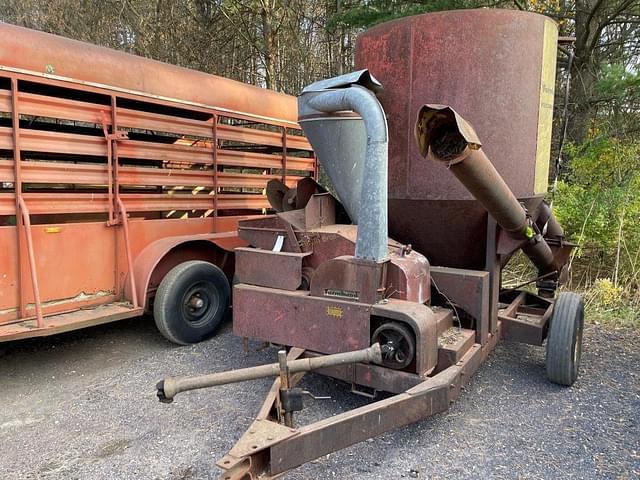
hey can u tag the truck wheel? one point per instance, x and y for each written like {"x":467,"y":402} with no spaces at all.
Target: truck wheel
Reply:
{"x":191,"y":301}
{"x":564,"y":341}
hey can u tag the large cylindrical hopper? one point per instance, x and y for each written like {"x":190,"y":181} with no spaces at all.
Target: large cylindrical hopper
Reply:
{"x":497,"y":69}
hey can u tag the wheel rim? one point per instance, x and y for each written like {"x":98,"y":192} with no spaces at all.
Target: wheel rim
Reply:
{"x":577,"y":348}
{"x":200,"y":303}
{"x":397,"y":344}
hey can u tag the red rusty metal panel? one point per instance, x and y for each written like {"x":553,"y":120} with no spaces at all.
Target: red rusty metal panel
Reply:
{"x":9,"y":294}
{"x":62,"y":108}
{"x":230,"y":179}
{"x":166,"y":152}
{"x":451,"y":233}
{"x":78,"y":259}
{"x":348,"y":277}
{"x":298,"y":142}
{"x":56,"y":203}
{"x":299,"y":319}
{"x":231,"y":201}
{"x":50,"y":203}
{"x":54,"y":142}
{"x":5,"y":101}
{"x":55,"y":172}
{"x":53,"y":203}
{"x":304,"y":164}
{"x":237,"y":158}
{"x":148,"y":202}
{"x":165,"y":176}
{"x":87,"y":174}
{"x":7,"y":204}
{"x":164,"y":123}
{"x":145,"y":232}
{"x":69,"y":321}
{"x":260,"y":160}
{"x":7,"y":171}
{"x":468,"y":289}
{"x":453,"y":345}
{"x":32,"y":50}
{"x":269,"y":269}
{"x":473,"y":61}
{"x":249,"y":135}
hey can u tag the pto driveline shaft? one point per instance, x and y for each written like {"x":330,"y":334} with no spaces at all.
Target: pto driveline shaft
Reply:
{"x":171,"y":386}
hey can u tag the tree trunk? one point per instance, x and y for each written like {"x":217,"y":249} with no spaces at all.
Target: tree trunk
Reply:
{"x":584,"y":73}
{"x":268,"y":34}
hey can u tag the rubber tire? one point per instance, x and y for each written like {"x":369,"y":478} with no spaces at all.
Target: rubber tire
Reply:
{"x":565,"y":336}
{"x":167,"y":308}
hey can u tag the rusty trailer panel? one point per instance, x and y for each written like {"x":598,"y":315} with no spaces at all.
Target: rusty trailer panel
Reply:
{"x":66,"y":321}
{"x":126,"y":166}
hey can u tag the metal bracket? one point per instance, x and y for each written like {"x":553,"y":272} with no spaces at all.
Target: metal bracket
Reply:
{"x":291,"y":399}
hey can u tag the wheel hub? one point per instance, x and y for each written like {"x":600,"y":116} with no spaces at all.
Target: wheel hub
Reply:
{"x":197,"y":302}
{"x":397,"y":344}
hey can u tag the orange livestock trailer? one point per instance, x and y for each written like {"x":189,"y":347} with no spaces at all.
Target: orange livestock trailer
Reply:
{"x":122,"y":181}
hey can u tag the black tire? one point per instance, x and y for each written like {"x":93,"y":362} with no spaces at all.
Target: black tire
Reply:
{"x":564,"y":341}
{"x":191,"y":301}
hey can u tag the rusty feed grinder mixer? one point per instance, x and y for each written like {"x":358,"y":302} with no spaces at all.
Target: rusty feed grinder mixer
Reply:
{"x":393,"y":283}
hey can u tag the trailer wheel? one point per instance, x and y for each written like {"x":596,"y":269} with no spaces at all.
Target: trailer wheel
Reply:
{"x":191,"y":301}
{"x":564,"y":341}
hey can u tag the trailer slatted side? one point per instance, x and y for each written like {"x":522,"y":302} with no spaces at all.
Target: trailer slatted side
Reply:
{"x":169,"y":157}
{"x":104,"y":172}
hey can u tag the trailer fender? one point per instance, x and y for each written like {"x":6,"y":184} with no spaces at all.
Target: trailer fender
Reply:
{"x":156,"y":259}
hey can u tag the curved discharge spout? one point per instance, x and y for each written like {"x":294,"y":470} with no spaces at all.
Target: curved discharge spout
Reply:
{"x":353,"y":149}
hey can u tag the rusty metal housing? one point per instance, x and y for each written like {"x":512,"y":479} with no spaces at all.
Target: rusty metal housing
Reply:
{"x":430,"y":294}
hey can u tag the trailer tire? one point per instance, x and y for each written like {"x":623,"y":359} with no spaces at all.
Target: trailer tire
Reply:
{"x":564,"y":341}
{"x":191,"y":301}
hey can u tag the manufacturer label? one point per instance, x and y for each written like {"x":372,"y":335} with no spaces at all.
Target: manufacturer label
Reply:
{"x":348,"y":294}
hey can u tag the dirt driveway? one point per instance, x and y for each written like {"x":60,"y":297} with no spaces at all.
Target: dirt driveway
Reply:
{"x":82,"y":406}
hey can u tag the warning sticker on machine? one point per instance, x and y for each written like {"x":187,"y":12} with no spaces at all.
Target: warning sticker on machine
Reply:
{"x":334,"y":312}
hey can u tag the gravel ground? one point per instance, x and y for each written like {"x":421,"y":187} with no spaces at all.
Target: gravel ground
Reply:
{"x":82,"y":405}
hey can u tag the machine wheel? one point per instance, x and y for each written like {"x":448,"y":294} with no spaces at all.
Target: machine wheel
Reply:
{"x":191,"y":301}
{"x":564,"y":341}
{"x":397,"y":343}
